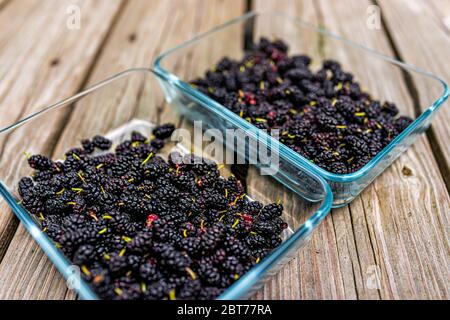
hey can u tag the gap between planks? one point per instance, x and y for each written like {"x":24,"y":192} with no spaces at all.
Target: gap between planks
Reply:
{"x":439,"y":149}
{"x":39,"y":83}
{"x":136,"y":26}
{"x":364,"y":232}
{"x":293,"y":272}
{"x":88,"y":39}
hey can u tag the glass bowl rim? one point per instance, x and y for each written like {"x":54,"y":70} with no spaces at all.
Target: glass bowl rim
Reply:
{"x":63,"y":264}
{"x":285,"y":151}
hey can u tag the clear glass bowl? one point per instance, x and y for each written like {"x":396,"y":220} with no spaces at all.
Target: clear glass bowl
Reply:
{"x":134,"y":100}
{"x":385,"y":78}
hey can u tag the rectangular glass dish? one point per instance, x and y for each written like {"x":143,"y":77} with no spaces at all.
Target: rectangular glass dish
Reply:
{"x":385,"y":78}
{"x":134,"y":100}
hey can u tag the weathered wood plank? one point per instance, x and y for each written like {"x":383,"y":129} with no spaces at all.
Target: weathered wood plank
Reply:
{"x":398,"y":224}
{"x":141,"y":32}
{"x":423,"y":41}
{"x":395,"y":230}
{"x":365,"y":239}
{"x":315,"y":272}
{"x":173,"y":28}
{"x":353,"y":242}
{"x":36,"y":72}
{"x":398,"y":227}
{"x":441,"y":9}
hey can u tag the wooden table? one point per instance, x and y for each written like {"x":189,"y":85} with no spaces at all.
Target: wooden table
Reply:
{"x":387,"y":231}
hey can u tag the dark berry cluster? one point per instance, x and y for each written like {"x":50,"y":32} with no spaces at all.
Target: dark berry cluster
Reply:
{"x":325,"y":116}
{"x":140,"y":227}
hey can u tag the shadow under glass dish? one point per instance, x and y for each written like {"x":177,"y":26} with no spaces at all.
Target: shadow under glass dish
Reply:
{"x":381,"y":76}
{"x":134,"y":100}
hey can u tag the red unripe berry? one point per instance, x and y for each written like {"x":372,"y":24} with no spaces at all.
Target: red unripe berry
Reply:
{"x":150,"y":218}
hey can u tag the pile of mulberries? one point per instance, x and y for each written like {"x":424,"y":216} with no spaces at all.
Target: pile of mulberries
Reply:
{"x":324,"y":116}
{"x":141,"y":227}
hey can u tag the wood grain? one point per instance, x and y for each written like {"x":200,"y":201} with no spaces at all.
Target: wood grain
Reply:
{"x":381,"y":231}
{"x":36,"y":73}
{"x":142,"y":31}
{"x":397,"y":228}
{"x":314,"y":273}
{"x":424,"y":42}
{"x":441,"y":9}
{"x":406,"y":206}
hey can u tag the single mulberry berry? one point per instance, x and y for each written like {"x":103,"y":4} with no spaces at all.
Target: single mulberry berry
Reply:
{"x":164,"y":131}
{"x":40,"y":162}
{"x":101,"y":143}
